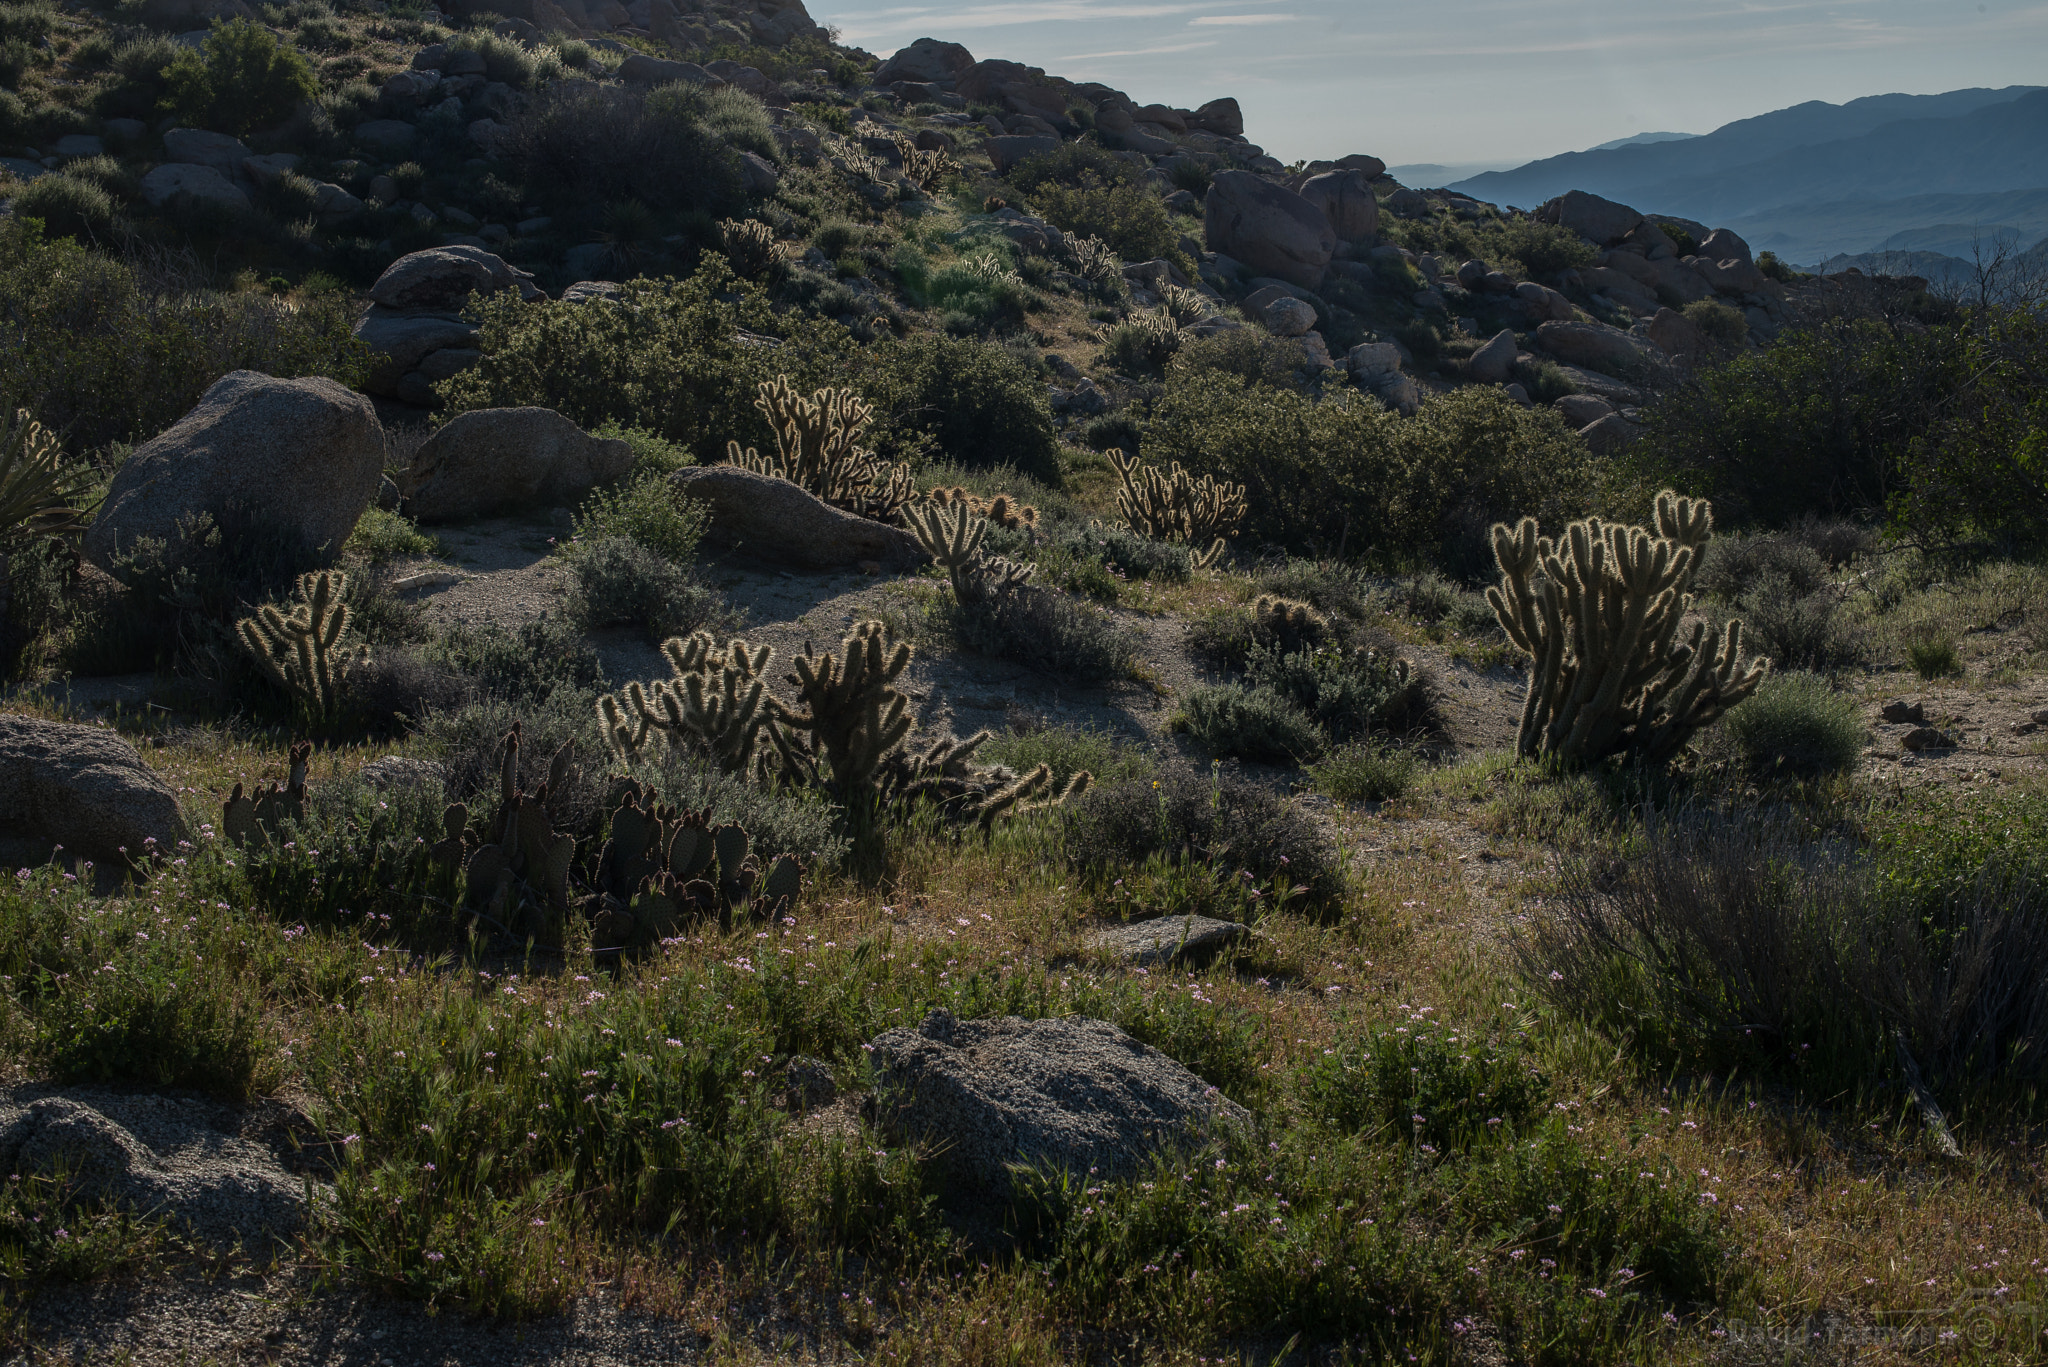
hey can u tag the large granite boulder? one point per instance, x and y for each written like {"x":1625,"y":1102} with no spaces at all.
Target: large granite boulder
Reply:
{"x":926,"y":60}
{"x":1600,"y":221}
{"x":415,"y":315}
{"x":300,"y":458}
{"x":84,"y":788}
{"x":1594,"y":346}
{"x":496,"y":460}
{"x":1346,"y":199}
{"x":1269,"y":228}
{"x":784,"y":523}
{"x":1070,"y":1094}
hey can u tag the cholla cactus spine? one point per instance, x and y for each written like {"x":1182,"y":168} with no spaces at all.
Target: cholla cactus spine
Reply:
{"x":1600,"y":624}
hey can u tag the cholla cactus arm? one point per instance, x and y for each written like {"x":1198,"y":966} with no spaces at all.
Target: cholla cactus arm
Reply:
{"x":950,"y":534}
{"x":852,"y":715}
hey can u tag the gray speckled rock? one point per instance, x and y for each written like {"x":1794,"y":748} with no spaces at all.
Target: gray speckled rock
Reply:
{"x":1184,"y":939}
{"x":156,"y":1156}
{"x":299,"y":456}
{"x":498,"y":459}
{"x":1075,"y":1094}
{"x":782,"y":522}
{"x":82,"y":787}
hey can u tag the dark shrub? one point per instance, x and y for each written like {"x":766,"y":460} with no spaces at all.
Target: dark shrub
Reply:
{"x":615,"y":581}
{"x":1364,"y":772}
{"x":584,"y":143}
{"x":522,"y":666}
{"x":1180,"y":812}
{"x":68,"y":206}
{"x":1261,"y":724}
{"x":967,"y":402}
{"x":107,"y":351}
{"x":1346,"y":692}
{"x":1048,"y":630}
{"x":244,"y":80}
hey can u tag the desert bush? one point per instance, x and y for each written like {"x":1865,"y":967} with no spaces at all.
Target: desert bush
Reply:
{"x":1826,"y":420}
{"x":68,"y":206}
{"x":1795,"y":726}
{"x":1364,"y":772}
{"x":967,"y":402}
{"x":1932,"y":653}
{"x":644,"y":511}
{"x":1068,"y":750}
{"x":1467,"y":1090}
{"x":242,"y":79}
{"x":381,"y":535}
{"x":508,"y":60}
{"x":1345,"y":692}
{"x":1344,"y":472}
{"x":738,"y":119}
{"x":1720,"y":322}
{"x":616,"y":581}
{"x":105,"y":350}
{"x":520,"y":666}
{"x":1234,"y":721}
{"x":1047,"y":630}
{"x":1734,"y":940}
{"x":1128,"y":218}
{"x":585,"y":144}
{"x":1181,"y":813}
{"x":467,"y":741}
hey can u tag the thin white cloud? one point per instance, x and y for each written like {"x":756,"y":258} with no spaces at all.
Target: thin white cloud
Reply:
{"x":1140,"y":51}
{"x":1236,"y":20}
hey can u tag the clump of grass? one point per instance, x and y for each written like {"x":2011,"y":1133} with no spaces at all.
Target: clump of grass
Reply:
{"x":384,"y":535}
{"x":1933,"y":655}
{"x":1260,"y":724}
{"x":1364,"y":772}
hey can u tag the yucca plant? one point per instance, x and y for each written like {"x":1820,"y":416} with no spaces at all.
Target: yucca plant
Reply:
{"x":37,"y":494}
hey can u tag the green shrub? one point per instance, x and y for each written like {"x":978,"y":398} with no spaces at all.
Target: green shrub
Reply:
{"x":1068,"y":750}
{"x":243,"y":80}
{"x":525,"y":666}
{"x":1830,"y":420}
{"x":1364,"y":772}
{"x":1129,"y":218}
{"x":616,"y":581}
{"x":739,"y":120}
{"x":966,"y":402}
{"x":1346,"y":692}
{"x":1048,"y":630}
{"x":1721,"y":322}
{"x":1684,"y":241}
{"x":508,"y":60}
{"x":667,"y":360}
{"x":644,"y":511}
{"x":1795,"y":725}
{"x":30,"y":21}
{"x":1236,"y":722}
{"x":1141,"y":344}
{"x":68,"y":206}
{"x":109,"y":351}
{"x":383,"y":535}
{"x":1343,"y":471}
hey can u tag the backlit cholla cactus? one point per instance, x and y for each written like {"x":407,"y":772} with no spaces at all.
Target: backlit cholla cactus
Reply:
{"x":1599,"y":615}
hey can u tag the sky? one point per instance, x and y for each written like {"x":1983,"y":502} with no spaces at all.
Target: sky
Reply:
{"x":1498,"y":82}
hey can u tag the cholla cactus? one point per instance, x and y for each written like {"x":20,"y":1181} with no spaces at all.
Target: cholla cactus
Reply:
{"x":1178,"y":507}
{"x":1096,"y":262}
{"x":1599,"y":617}
{"x":1294,"y":625}
{"x":750,"y":246}
{"x":1185,"y":306}
{"x":952,"y":534}
{"x":817,"y":446}
{"x":302,"y":651}
{"x":927,"y":169}
{"x":716,"y":697}
{"x":1003,"y":510}
{"x":852,"y":716}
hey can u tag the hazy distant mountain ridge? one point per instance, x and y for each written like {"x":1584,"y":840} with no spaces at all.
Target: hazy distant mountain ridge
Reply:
{"x":1635,"y":171}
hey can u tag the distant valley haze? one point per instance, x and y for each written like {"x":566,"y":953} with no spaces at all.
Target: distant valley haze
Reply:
{"x":1514,"y":102}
